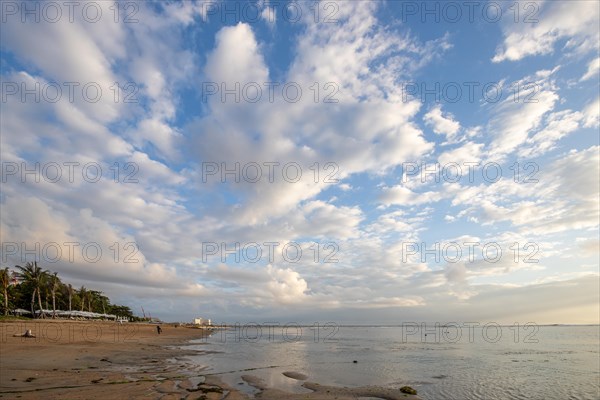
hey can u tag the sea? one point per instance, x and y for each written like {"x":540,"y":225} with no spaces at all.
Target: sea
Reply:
{"x":455,"y":361}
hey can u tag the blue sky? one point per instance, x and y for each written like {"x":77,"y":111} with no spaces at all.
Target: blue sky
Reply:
{"x":379,"y":108}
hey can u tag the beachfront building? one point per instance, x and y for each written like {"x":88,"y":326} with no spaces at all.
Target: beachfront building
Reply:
{"x":202,"y":321}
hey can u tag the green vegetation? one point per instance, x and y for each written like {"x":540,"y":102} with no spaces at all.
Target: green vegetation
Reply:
{"x":32,"y":288}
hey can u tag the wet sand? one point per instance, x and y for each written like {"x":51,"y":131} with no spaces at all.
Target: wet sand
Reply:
{"x":83,"y":360}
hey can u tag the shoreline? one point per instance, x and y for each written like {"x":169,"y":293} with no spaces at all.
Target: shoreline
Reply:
{"x":88,"y":359}
{"x":84,"y":359}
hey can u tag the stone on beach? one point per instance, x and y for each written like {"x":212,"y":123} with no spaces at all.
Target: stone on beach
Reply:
{"x":408,"y":390}
{"x":295,"y":375}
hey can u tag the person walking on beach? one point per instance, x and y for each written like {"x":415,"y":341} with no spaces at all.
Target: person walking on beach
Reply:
{"x":158,"y":329}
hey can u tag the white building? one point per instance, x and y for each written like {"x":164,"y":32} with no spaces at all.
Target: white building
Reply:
{"x":202,"y":321}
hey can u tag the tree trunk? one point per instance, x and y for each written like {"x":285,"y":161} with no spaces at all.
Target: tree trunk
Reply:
{"x":33,"y":303}
{"x":5,"y":301}
{"x":70,"y":297}
{"x":53,"y":305}
{"x":40,"y":303}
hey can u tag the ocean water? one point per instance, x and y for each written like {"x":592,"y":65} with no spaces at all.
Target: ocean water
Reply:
{"x":454,"y":362}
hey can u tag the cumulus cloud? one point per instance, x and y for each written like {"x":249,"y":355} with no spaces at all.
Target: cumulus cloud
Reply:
{"x":353,"y":135}
{"x":347,"y":195}
{"x":236,"y":57}
{"x":574,"y":21}
{"x":440,"y":123}
{"x":404,"y":196}
{"x":468,"y":152}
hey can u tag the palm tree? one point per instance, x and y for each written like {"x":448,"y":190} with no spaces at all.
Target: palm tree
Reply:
{"x":54,"y":285}
{"x":90,"y":300}
{"x":5,"y":282}
{"x":99,"y":300}
{"x":46,"y":292}
{"x":70,"y":290}
{"x":36,"y":277}
{"x":82,"y":296}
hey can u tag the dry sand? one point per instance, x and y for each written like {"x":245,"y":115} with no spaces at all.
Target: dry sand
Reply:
{"x":85,"y":360}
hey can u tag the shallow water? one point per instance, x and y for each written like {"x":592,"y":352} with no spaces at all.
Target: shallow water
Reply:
{"x":457,"y":362}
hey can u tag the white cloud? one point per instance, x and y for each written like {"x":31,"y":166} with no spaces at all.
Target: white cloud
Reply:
{"x":157,"y":132}
{"x":564,"y":198}
{"x":402,"y":195}
{"x":574,"y":21}
{"x":592,"y":114}
{"x":468,"y":152}
{"x":517,"y":116}
{"x":269,"y":15}
{"x":286,"y":285}
{"x":169,"y":212}
{"x":593,"y":70}
{"x":186,"y":11}
{"x":236,"y":58}
{"x":442,"y":124}
{"x":558,"y":125}
{"x":84,"y":56}
{"x":394,"y":222}
{"x":357,"y":134}
{"x":91,"y":254}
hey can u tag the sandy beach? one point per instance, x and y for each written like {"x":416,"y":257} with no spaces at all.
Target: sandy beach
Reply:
{"x":83,"y":360}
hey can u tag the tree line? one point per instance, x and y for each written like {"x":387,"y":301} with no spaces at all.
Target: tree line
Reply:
{"x":33,"y":288}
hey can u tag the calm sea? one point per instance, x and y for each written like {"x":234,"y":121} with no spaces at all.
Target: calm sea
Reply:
{"x":453,"y":362}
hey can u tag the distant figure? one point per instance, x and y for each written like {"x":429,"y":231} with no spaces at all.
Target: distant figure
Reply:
{"x":158,"y":329}
{"x":27,"y":334}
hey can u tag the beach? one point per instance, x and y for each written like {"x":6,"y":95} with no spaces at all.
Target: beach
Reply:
{"x":85,"y":359}
{"x":82,"y":360}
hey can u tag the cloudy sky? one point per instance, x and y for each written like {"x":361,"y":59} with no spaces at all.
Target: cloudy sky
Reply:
{"x":353,"y":162}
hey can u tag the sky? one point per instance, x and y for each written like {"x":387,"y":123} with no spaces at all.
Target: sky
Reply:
{"x":346,"y":162}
